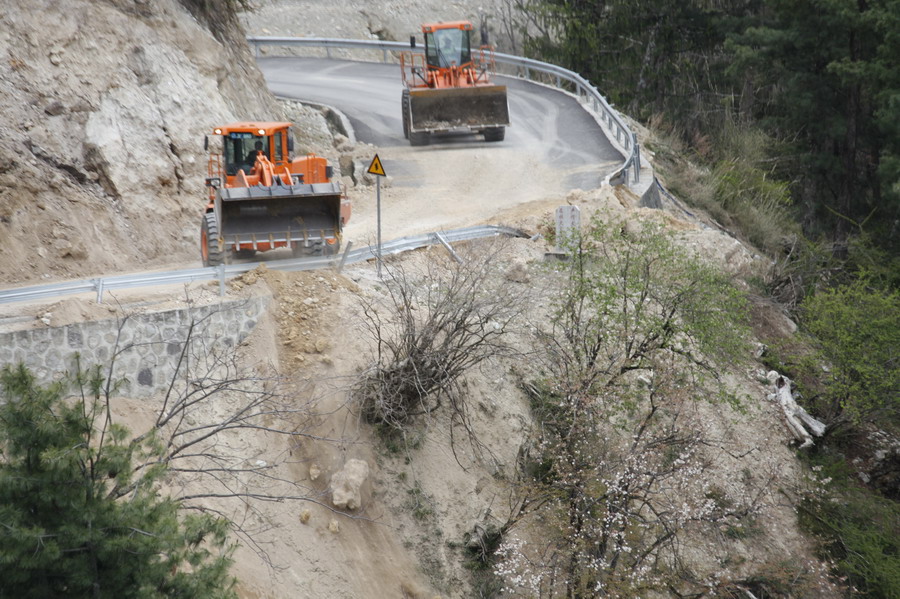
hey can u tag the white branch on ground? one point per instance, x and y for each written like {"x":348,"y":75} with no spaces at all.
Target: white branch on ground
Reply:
{"x":794,"y":414}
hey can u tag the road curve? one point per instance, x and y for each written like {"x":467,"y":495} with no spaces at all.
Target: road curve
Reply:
{"x":548,"y":121}
{"x":552,"y":146}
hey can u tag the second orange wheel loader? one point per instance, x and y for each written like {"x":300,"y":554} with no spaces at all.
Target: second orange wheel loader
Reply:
{"x":260,"y":198}
{"x":450,"y":87}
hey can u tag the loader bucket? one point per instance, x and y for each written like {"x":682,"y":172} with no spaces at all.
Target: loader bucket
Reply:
{"x":263,"y":218}
{"x":460,"y":107}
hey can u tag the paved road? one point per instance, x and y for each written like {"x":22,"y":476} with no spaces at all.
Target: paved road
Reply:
{"x":549,"y":126}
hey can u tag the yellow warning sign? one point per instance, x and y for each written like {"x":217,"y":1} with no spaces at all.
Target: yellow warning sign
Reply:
{"x":375,"y":168}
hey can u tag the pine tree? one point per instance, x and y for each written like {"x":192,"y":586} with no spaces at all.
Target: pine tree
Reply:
{"x":68,"y":527}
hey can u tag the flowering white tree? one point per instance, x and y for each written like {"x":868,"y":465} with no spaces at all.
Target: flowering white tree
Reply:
{"x":615,"y":468}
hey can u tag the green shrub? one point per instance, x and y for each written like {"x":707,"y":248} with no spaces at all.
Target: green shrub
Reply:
{"x":861,"y":531}
{"x":856,"y":330}
{"x":67,"y":528}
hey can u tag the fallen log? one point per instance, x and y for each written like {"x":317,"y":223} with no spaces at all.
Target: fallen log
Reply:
{"x":797,"y":419}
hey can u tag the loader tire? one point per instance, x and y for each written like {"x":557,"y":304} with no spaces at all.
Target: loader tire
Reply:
{"x":312,"y":250}
{"x":209,"y":241}
{"x":332,"y":249}
{"x":494,"y":134}
{"x":405,"y":107}
{"x":418,"y":138}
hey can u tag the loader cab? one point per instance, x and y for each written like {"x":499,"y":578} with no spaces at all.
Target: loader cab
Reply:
{"x":241,"y":144}
{"x":448,"y":44}
{"x":239,"y":147}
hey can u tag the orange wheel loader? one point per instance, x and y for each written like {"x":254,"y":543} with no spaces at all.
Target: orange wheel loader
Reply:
{"x":261,"y":199}
{"x":450,"y":87}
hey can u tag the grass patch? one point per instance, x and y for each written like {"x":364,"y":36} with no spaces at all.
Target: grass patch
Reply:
{"x":419,"y":504}
{"x":734,"y":184}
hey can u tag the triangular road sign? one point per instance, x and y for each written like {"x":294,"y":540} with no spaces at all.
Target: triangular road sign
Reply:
{"x":375,"y":168}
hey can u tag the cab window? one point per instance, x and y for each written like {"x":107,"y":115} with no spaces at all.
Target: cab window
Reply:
{"x":240,"y":150}
{"x":446,"y":47}
{"x":279,"y":147}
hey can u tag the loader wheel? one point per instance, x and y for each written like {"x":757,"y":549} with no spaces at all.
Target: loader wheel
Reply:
{"x":209,"y":241}
{"x":331,"y":250}
{"x":405,"y":107}
{"x":494,"y":134}
{"x":418,"y":138}
{"x":300,"y":251}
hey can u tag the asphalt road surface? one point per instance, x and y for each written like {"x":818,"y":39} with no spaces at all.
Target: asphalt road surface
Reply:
{"x":552,"y":147}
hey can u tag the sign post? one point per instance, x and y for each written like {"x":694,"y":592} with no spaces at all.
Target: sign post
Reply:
{"x":376,"y":169}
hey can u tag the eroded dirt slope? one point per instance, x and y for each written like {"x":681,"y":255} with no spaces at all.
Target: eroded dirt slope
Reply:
{"x":105,"y":105}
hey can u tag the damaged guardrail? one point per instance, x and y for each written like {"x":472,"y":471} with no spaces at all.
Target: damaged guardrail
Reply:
{"x":348,"y":256}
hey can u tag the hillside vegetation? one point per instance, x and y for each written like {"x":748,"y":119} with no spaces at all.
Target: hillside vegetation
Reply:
{"x":780,"y":118}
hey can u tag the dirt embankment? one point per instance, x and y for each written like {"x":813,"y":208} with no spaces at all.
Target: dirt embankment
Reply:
{"x":106,"y":105}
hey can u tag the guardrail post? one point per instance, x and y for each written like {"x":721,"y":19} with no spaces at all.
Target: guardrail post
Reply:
{"x":344,"y":257}
{"x":220,"y":272}
{"x":448,"y":247}
{"x":328,"y":51}
{"x":384,"y":55}
{"x":636,"y":158}
{"x":99,"y":284}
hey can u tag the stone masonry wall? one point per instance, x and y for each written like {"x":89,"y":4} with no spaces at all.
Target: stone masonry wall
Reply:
{"x":148,"y":346}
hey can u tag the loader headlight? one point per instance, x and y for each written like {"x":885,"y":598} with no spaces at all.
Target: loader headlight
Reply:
{"x":213,"y":182}
{"x":217,"y":131}
{"x":260,"y":131}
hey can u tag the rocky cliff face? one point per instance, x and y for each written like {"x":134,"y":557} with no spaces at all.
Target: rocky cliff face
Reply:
{"x":105,"y":104}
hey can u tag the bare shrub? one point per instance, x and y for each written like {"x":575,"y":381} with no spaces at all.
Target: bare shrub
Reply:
{"x":214,"y":424}
{"x":433,"y":324}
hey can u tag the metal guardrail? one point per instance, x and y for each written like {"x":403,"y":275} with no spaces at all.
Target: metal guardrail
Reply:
{"x":523,"y":68}
{"x":220,"y":273}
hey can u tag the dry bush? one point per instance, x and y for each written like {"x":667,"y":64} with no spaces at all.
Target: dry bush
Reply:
{"x":433,"y":324}
{"x":216,"y":416}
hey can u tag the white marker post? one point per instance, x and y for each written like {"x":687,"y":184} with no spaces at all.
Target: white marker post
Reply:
{"x":376,"y":169}
{"x":568,"y":226}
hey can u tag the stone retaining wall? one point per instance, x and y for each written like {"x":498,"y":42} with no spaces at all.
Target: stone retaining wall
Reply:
{"x":148,"y":346}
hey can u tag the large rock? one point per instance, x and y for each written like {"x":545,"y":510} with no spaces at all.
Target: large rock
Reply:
{"x":346,"y":485}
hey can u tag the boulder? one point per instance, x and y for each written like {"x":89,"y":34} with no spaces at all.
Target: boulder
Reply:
{"x":346,"y":484}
